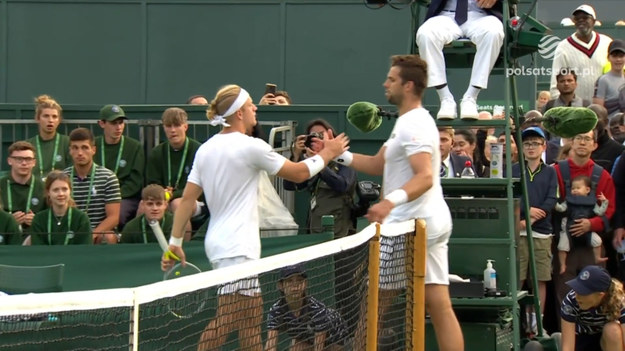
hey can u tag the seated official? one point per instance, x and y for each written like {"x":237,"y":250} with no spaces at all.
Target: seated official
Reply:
{"x":62,"y":223}
{"x":154,"y":205}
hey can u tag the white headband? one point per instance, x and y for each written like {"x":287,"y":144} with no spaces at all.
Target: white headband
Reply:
{"x":236,"y":105}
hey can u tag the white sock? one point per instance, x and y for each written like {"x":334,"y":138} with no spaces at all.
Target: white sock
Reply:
{"x":471,"y":92}
{"x":444,"y":93}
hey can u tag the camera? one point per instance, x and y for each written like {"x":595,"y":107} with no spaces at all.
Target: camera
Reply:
{"x":270,"y":89}
{"x":367,"y":192}
{"x":309,"y":139}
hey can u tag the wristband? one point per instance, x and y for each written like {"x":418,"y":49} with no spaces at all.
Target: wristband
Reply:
{"x":175,"y":241}
{"x":397,"y":197}
{"x":315,"y":164}
{"x":346,"y":158}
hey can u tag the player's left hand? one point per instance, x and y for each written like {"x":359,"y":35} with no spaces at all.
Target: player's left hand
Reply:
{"x":379,"y":211}
{"x":580,"y":227}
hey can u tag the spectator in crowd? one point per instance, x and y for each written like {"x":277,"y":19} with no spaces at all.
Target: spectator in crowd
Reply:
{"x":446,"y":21}
{"x":607,"y":148}
{"x":280,"y":98}
{"x":95,"y":189}
{"x":607,"y":86}
{"x":464,"y":144}
{"x":550,"y":154}
{"x":566,"y":86}
{"x":580,"y":163}
{"x":410,"y":161}
{"x":332,"y":189}
{"x":452,"y":164}
{"x":9,"y":229}
{"x":62,"y":223}
{"x":227,"y":170}
{"x":23,"y":193}
{"x":123,"y":156}
{"x":154,"y":204}
{"x":593,"y":312}
{"x":543,"y":97}
{"x":309,"y":322}
{"x":170,"y":162}
{"x":51,"y":147}
{"x":542,"y":183}
{"x":580,"y":204}
{"x":585,"y":51}
{"x":617,"y":127}
{"x":197,"y":100}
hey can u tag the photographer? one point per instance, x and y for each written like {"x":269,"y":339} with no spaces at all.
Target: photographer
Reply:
{"x":332,"y":190}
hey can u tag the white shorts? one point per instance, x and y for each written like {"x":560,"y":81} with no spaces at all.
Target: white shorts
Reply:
{"x":249,"y":286}
{"x":392,"y":261}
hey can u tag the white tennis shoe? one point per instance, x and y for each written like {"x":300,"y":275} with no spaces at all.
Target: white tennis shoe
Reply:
{"x":447,"y":110}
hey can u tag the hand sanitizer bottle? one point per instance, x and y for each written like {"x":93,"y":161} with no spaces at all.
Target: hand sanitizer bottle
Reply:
{"x":490,"y":277}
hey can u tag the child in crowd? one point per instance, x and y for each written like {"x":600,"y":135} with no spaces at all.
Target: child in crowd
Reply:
{"x":580,"y":205}
{"x":61,"y":223}
{"x":154,"y":203}
{"x":310,"y":324}
{"x":543,"y":97}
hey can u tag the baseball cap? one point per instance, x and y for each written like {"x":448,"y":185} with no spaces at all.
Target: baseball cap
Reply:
{"x":616,"y":45}
{"x":532,"y":131}
{"x":586,"y":9}
{"x":590,"y":280}
{"x":292,"y":270}
{"x":111,"y":113}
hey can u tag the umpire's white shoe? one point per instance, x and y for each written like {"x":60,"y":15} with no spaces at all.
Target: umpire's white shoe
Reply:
{"x":447,"y":110}
{"x":468,"y":109}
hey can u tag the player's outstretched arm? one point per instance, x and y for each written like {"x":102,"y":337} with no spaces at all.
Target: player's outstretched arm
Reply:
{"x":183,"y":213}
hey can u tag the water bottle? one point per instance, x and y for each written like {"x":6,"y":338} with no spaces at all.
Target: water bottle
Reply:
{"x":490,"y":277}
{"x":467,"y":172}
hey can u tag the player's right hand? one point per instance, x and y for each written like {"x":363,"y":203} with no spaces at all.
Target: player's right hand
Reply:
{"x":167,"y":262}
{"x":336,"y":145}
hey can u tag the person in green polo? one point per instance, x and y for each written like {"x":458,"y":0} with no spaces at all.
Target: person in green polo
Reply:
{"x":51,"y":148}
{"x":122,"y":155}
{"x":9,"y":230}
{"x":138,"y":230}
{"x":22,"y":191}
{"x":62,"y":223}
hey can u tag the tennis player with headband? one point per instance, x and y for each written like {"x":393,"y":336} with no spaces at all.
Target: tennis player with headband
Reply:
{"x":62,"y":223}
{"x":227,"y":169}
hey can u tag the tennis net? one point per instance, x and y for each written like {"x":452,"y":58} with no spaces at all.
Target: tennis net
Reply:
{"x":317,"y":294}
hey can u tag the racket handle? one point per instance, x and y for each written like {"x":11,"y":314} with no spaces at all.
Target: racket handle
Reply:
{"x":158,"y":233}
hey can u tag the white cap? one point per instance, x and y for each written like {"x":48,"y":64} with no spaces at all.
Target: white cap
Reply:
{"x":587,"y":9}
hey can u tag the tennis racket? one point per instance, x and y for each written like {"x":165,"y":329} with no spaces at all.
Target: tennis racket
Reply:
{"x":184,"y":305}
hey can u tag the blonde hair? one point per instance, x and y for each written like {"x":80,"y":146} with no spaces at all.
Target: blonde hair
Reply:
{"x":448,"y":130}
{"x":174,"y":116}
{"x":54,"y":176}
{"x":45,"y":101}
{"x":223,"y":100}
{"x":614,"y":301}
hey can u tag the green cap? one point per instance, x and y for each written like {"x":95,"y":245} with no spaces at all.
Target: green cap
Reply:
{"x":364,"y":116}
{"x":111,"y":113}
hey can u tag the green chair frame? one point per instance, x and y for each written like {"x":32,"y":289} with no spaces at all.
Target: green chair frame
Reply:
{"x":31,"y":279}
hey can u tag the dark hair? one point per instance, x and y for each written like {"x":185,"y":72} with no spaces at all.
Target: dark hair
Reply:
{"x":583,"y":178}
{"x":284,"y":94}
{"x":412,"y":69}
{"x":81,"y":134}
{"x":193,"y":97}
{"x":319,"y":122}
{"x":468,"y":135}
{"x":565,"y":71}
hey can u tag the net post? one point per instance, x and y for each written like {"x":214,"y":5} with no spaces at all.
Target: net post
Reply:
{"x":134,"y":322}
{"x":415,"y":295}
{"x":372,"y":294}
